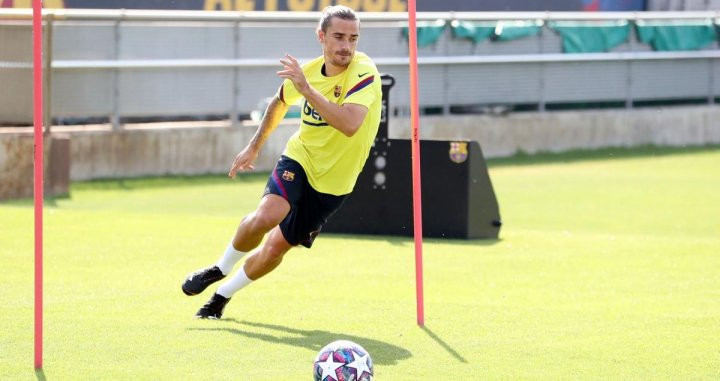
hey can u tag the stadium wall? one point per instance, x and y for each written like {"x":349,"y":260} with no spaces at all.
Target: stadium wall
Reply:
{"x":559,"y":131}
{"x":202,"y":148}
{"x":16,"y":164}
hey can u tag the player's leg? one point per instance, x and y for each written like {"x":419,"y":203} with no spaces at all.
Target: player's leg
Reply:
{"x":268,"y":257}
{"x":264,"y":260}
{"x":300,"y":227}
{"x":250,"y":232}
{"x":271,"y":211}
{"x":282,"y":191}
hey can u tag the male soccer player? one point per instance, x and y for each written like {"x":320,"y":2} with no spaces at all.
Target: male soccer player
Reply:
{"x":341,"y":102}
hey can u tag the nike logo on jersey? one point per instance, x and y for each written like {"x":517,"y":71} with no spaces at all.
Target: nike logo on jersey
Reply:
{"x":363,"y":74}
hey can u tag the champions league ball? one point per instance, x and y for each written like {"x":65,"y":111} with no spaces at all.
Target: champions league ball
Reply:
{"x":343,"y":360}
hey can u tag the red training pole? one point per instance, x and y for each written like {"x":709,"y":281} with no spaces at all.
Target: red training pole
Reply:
{"x":38,"y":169}
{"x":415,"y":125}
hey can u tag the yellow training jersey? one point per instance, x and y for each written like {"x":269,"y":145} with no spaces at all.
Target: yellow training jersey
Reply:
{"x":332,"y":160}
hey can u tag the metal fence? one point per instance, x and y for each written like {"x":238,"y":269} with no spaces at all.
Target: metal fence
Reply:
{"x":149,"y":64}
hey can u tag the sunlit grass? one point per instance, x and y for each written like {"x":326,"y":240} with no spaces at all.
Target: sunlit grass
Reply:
{"x":606,"y":269}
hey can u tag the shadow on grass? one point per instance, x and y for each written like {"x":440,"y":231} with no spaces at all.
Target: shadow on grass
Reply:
{"x":147,"y":182}
{"x":464,"y":242}
{"x":142,"y":183}
{"x":48,"y":201}
{"x":443,"y":344}
{"x":382,"y":353}
{"x":521,"y":159}
{"x":40,"y":374}
{"x":409,"y":241}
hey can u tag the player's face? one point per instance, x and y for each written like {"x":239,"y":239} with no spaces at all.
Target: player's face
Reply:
{"x":339,"y":41}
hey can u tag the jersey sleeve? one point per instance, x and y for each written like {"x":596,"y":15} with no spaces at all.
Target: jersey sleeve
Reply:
{"x":363,"y":86}
{"x":287,"y":93}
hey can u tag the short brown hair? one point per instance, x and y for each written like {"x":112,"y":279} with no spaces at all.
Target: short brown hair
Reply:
{"x":339,"y":11}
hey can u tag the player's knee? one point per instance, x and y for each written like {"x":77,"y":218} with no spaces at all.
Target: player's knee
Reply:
{"x":262,"y":222}
{"x":273,"y":254}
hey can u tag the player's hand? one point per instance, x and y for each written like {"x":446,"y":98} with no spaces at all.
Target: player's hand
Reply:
{"x":243,"y":161}
{"x":293,"y":71}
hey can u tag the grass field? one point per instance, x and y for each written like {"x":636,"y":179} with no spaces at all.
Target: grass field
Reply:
{"x":608,"y":267}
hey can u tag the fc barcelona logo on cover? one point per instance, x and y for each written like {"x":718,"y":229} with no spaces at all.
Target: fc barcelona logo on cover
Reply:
{"x":458,"y":152}
{"x":288,"y":176}
{"x":338,"y":91}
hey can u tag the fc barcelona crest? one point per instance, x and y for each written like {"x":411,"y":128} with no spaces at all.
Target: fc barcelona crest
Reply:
{"x":338,"y":91}
{"x":458,"y":152}
{"x":288,"y":176}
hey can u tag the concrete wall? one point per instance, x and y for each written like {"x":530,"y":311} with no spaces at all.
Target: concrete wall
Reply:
{"x":17,"y":150}
{"x":204,"y":148}
{"x":561,"y":131}
{"x":190,"y":149}
{"x":167,"y":149}
{"x":16,"y":165}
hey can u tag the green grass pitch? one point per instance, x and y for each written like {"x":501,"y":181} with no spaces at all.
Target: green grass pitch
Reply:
{"x":608,"y":267}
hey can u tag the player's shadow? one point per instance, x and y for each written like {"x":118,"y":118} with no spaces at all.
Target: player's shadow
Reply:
{"x":382,"y":353}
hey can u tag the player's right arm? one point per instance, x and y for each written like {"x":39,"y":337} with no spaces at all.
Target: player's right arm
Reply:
{"x":274,"y":113}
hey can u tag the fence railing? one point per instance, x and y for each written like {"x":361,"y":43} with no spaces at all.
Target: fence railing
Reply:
{"x":159,"y":15}
{"x":446,"y":82}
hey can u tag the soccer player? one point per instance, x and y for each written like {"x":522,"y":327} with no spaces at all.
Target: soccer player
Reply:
{"x":341,"y":103}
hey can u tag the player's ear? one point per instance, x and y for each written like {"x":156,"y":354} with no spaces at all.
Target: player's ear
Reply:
{"x":321,"y":35}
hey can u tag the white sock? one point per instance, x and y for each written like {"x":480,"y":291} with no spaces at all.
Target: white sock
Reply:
{"x":234,"y":284}
{"x":229,"y":259}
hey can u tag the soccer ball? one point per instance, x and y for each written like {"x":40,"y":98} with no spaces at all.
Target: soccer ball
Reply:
{"x":343,"y":360}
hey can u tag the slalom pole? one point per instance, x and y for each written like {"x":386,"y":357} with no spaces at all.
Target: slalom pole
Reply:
{"x":415,"y":125}
{"x":38,"y":176}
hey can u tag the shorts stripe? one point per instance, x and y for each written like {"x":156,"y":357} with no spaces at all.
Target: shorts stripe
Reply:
{"x":279,"y":184}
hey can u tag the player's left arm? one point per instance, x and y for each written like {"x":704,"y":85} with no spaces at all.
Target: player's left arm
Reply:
{"x":346,"y":118}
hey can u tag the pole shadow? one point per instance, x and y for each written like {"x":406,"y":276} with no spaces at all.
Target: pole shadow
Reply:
{"x":382,"y":353}
{"x":40,"y":374}
{"x":443,"y":344}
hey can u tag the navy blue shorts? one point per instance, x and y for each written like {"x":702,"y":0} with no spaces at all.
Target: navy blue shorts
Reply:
{"x":309,"y":209}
